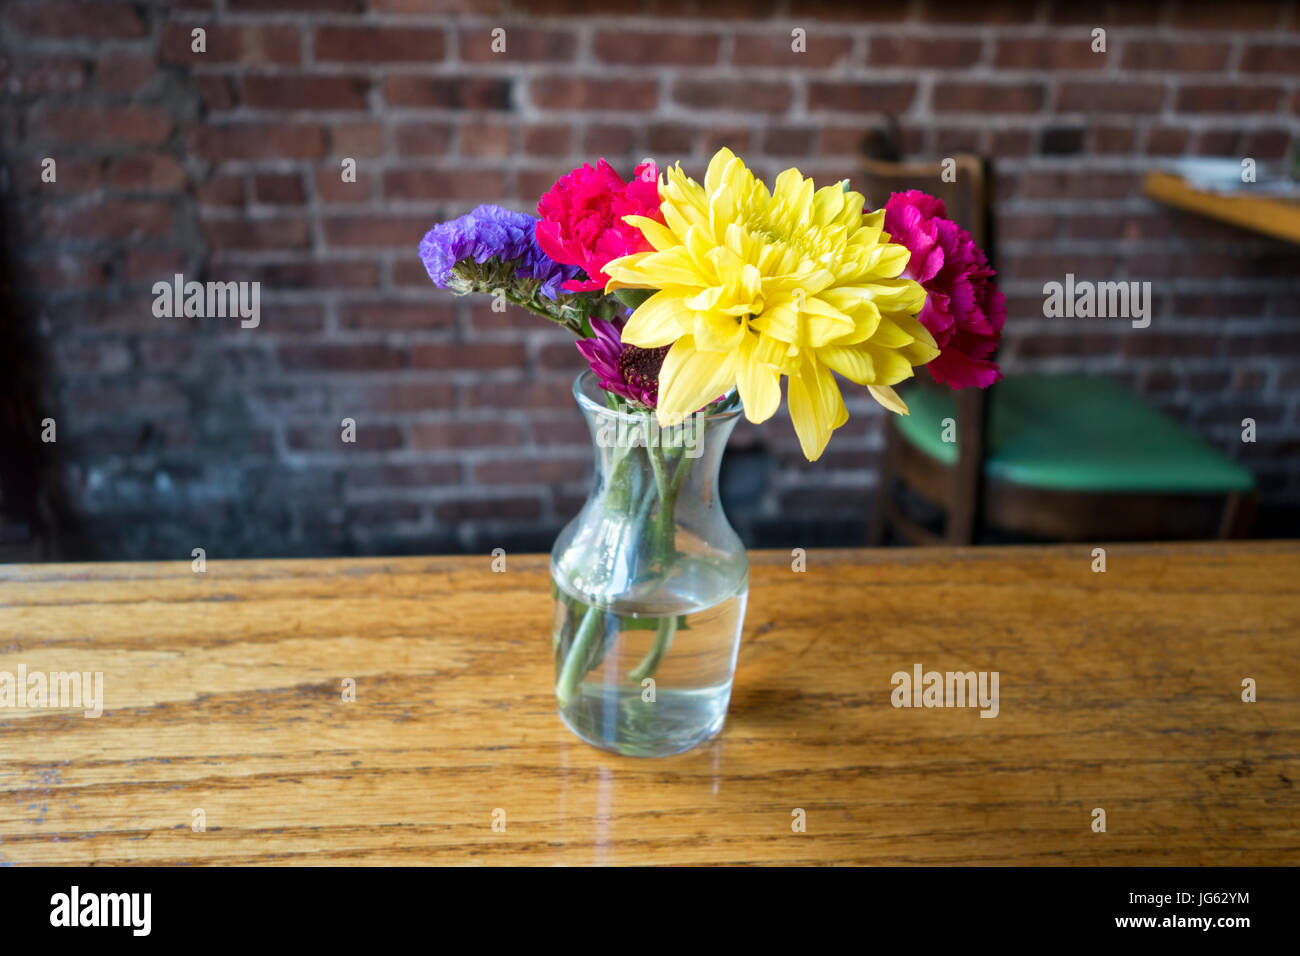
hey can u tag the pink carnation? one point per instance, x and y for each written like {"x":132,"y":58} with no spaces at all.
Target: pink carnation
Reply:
{"x":964,"y":309}
{"x":582,"y":219}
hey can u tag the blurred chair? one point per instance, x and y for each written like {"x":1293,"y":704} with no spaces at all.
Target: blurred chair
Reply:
{"x":1054,"y":457}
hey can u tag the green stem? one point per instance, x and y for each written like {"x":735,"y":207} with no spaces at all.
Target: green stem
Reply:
{"x":569,"y":324}
{"x":663,"y":639}
{"x":571,"y":674}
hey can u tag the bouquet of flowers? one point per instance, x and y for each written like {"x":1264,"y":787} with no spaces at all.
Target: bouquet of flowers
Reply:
{"x":690,"y":299}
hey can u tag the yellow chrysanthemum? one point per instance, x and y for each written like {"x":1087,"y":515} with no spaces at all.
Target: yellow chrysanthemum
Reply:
{"x":754,"y":285}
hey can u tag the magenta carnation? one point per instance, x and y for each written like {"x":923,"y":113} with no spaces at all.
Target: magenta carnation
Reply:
{"x":582,"y":219}
{"x":621,"y":368}
{"x":964,"y":309}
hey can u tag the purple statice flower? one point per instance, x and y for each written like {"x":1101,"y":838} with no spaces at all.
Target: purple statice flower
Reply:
{"x":487,"y":233}
{"x":620,"y":368}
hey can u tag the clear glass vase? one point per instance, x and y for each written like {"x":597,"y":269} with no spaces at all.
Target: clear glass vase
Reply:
{"x":650,"y":583}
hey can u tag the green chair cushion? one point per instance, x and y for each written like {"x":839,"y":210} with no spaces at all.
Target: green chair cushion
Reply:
{"x":1075,"y":433}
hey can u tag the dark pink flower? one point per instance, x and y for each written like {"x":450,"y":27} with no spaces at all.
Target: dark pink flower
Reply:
{"x":582,"y":219}
{"x":620,"y":368}
{"x":964,"y":309}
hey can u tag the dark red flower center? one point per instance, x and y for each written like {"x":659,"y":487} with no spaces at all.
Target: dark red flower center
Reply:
{"x":640,"y":367}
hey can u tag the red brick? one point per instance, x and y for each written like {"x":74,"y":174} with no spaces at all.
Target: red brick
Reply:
{"x":373,"y":230}
{"x":357,"y":139}
{"x":341,"y":357}
{"x":279,"y":188}
{"x":468,"y":93}
{"x":591,"y":93}
{"x":1167,"y":141}
{"x":1113,"y":139}
{"x":61,"y":74}
{"x":399,"y":316}
{"x":559,"y":356}
{"x":1027,"y":226}
{"x":306,"y":92}
{"x":148,"y":171}
{"x":464,"y":433}
{"x":114,"y":219}
{"x":1174,"y":56}
{"x":1267,"y":143}
{"x":1054,"y":265}
{"x":217,"y":92}
{"x":1049,"y":53}
{"x":885,"y":96}
{"x":75,"y":174}
{"x":403,"y":397}
{"x":1132,"y":227}
{"x":1270,"y":58}
{"x":328,"y":436}
{"x":1222,"y":98}
{"x":1010,"y":142}
{"x":461,"y":509}
{"x":379,"y":44}
{"x":226,"y":44}
{"x":1110,"y":98}
{"x":113,"y":124}
{"x":383,"y":512}
{"x":603,"y":139}
{"x":217,"y":143}
{"x":147,"y":265}
{"x":962,"y":97}
{"x":315,"y":275}
{"x":548,"y":140}
{"x":426,"y":475}
{"x":485,"y":184}
{"x":222,"y":191}
{"x":924,"y":52}
{"x":486,"y":138}
{"x":257,"y":234}
{"x":1238,"y":15}
{"x":332,"y":189}
{"x":669,"y":139}
{"x":523,"y":45}
{"x":961,"y":11}
{"x":68,"y":272}
{"x":62,"y":18}
{"x":1076,"y":184}
{"x":465,"y":357}
{"x":124,"y":72}
{"x":423,"y":139}
{"x":556,"y":395}
{"x":694,"y":48}
{"x":515,"y":471}
{"x":296,"y":6}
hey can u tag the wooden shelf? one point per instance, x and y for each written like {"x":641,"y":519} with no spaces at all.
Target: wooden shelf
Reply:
{"x":1271,"y":215}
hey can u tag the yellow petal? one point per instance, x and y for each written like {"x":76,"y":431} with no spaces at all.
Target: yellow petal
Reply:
{"x":670,"y":267}
{"x":889,"y":366}
{"x":720,"y":161}
{"x":853,"y":364}
{"x":656,"y":233}
{"x":690,"y":379}
{"x":816,"y":407}
{"x":659,"y":320}
{"x":889,"y":398}
{"x":717,"y":333}
{"x":623,"y":273}
{"x":759,"y":384}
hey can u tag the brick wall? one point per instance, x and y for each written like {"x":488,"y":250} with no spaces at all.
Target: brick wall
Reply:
{"x":225,"y":165}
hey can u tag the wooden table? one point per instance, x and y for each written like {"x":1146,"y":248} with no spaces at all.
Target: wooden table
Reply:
{"x":1118,"y":690}
{"x":1275,"y":216}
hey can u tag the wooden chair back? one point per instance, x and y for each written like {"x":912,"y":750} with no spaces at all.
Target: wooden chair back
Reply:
{"x":962,"y":182}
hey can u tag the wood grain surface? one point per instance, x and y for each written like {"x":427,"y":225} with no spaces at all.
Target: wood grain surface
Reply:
{"x":222,"y":693}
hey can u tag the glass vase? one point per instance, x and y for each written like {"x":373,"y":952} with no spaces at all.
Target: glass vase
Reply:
{"x":650,"y":583}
